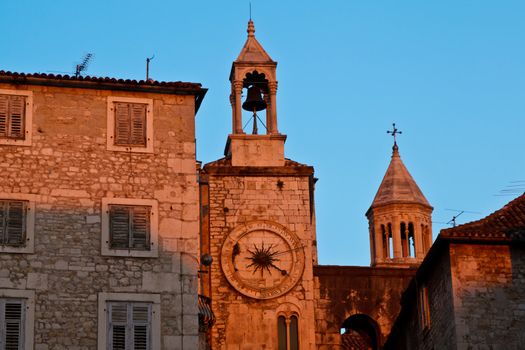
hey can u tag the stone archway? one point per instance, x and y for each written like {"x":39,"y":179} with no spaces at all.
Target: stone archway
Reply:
{"x":359,"y":332}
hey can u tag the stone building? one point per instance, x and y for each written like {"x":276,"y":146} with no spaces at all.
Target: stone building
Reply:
{"x":258,"y":223}
{"x":469,"y":291}
{"x":99,"y":213}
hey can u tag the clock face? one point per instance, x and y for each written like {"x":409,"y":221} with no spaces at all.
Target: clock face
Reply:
{"x":262,"y":259}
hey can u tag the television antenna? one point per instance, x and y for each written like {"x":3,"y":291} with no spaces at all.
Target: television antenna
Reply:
{"x":459,"y":212}
{"x":148,"y":60}
{"x":83,"y":65}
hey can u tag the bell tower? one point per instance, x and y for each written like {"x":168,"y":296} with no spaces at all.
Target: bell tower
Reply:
{"x":255,"y":72}
{"x":400,"y":218}
{"x":258,"y":222}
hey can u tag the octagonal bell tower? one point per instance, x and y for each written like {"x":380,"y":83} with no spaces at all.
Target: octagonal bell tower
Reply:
{"x":400,"y":219}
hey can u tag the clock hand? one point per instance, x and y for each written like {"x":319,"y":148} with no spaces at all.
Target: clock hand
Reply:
{"x":289,"y":250}
{"x":283,"y":272}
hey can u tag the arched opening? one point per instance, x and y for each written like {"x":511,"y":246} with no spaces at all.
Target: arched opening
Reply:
{"x":385,"y":241}
{"x":359,"y":332}
{"x":411,"y":241}
{"x":390,"y":242}
{"x":404,"y":240}
{"x":256,"y":99}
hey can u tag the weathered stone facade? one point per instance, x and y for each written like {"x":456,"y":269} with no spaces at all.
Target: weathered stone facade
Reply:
{"x":240,"y":195}
{"x":68,"y":170}
{"x":342,"y":292}
{"x":475,"y":277}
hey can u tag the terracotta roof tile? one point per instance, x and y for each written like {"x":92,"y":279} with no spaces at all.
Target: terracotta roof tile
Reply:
{"x":398,"y":186}
{"x":505,"y":223}
{"x":24,"y":76}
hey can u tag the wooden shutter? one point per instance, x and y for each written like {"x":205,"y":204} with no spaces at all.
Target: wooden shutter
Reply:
{"x":119,"y":226}
{"x":16,"y":117}
{"x":130,"y":124}
{"x":141,"y":326}
{"x":12,"y":116}
{"x":129,"y":227}
{"x":118,"y":320}
{"x":122,"y":124}
{"x":13,"y":222}
{"x":11,"y":318}
{"x":4,"y":109}
{"x":138,"y":125}
{"x":129,"y":326}
{"x":140,"y":228}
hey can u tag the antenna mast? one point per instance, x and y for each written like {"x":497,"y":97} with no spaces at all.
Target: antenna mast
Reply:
{"x":83,"y":66}
{"x":148,"y":60}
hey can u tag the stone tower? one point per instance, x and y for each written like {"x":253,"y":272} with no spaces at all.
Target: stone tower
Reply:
{"x":258,"y":223}
{"x":399,"y":218}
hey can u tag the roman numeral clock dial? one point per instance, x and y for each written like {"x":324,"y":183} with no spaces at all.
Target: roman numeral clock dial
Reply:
{"x":262,"y":259}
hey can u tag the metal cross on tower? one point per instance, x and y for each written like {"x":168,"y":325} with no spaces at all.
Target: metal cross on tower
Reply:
{"x":394,"y":132}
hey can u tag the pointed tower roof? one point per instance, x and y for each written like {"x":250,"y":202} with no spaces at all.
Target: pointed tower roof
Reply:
{"x":398,"y":186}
{"x":252,"y":51}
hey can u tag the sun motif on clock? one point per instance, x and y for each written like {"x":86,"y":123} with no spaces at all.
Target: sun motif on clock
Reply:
{"x":262,"y":259}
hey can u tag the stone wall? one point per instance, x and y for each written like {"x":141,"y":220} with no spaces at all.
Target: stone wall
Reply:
{"x":489,"y":301}
{"x":344,"y":291}
{"x":237,"y":197}
{"x":69,"y":170}
{"x":408,"y":332}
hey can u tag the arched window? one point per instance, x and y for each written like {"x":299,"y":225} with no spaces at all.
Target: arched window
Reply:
{"x":411,"y":241}
{"x":288,"y":333}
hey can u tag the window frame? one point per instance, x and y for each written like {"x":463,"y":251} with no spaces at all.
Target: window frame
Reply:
{"x":28,"y":330}
{"x":106,"y":250}
{"x":287,"y":317}
{"x":111,"y":146}
{"x":29,"y":246}
{"x":28,"y":118}
{"x":424,"y":308}
{"x":103,"y":322}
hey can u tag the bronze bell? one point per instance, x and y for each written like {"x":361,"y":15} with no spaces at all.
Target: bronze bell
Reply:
{"x":254,"y":101}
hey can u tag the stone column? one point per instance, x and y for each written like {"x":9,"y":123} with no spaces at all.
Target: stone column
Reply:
{"x":268,"y":113}
{"x":396,"y":236}
{"x":379,"y":244}
{"x":238,"y":112}
{"x":419,"y":233}
{"x":232,"y":103}
{"x":273,"y":104}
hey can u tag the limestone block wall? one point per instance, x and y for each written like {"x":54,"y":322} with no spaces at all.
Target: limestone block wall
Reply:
{"x":69,"y":171}
{"x":244,"y":322}
{"x":345,"y":291}
{"x":408,"y":332}
{"x":488,"y":282}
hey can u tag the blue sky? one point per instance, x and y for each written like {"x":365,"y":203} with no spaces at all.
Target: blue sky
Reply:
{"x":451,"y":74}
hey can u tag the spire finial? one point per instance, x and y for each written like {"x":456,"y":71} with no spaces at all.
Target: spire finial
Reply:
{"x":394,"y":132}
{"x":251,"y":28}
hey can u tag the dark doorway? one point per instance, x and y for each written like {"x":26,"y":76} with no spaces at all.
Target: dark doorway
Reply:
{"x":359,"y":332}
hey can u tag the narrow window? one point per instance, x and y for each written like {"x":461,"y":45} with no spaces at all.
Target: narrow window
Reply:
{"x":385,"y":241}
{"x":129,"y":227}
{"x":294,"y":333}
{"x":281,"y":333}
{"x":129,"y":326}
{"x":11,"y":321}
{"x":12,"y":117}
{"x":288,"y":333}
{"x":411,"y":243}
{"x":390,"y":242}
{"x":12,"y":222}
{"x":424,"y":309}
{"x":404,"y":240}
{"x":130,"y":124}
